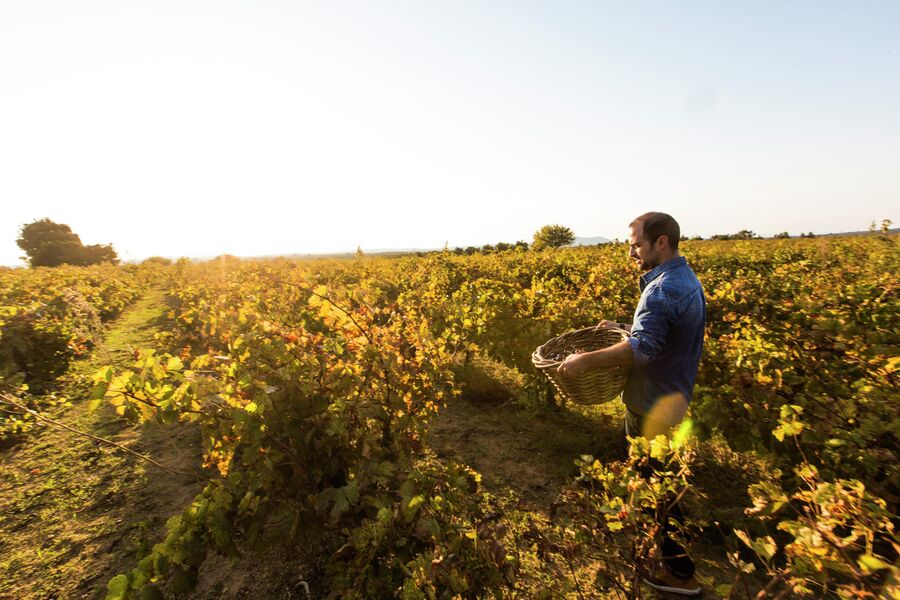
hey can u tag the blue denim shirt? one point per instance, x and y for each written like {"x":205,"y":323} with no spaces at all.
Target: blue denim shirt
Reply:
{"x":667,"y":340}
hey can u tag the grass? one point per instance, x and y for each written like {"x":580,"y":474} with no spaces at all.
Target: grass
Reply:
{"x":72,"y":512}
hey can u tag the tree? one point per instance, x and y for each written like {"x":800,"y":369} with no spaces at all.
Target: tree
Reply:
{"x":886,"y":225}
{"x":782,"y":236}
{"x":552,"y":236}
{"x":743,"y":234}
{"x":50,"y":244}
{"x":157,"y":260}
{"x":44,"y":232}
{"x":98,"y":253}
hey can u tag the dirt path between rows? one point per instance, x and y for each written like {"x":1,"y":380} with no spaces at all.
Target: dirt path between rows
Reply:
{"x":518,"y":451}
{"x":73,"y":513}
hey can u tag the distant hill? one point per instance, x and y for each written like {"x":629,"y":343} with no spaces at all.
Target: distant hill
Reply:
{"x":889,"y":231}
{"x":590,"y":241}
{"x":579,"y":241}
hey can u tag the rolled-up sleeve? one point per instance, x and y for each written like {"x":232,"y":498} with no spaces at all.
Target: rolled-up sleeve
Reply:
{"x":651,"y":324}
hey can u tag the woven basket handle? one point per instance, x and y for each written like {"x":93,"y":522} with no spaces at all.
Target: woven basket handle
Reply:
{"x":622,"y":329}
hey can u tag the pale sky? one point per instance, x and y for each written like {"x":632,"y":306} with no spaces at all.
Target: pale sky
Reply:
{"x":198,"y":128}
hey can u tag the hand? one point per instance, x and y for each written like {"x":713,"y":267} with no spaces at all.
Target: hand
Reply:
{"x":605,"y":324}
{"x":573,"y":366}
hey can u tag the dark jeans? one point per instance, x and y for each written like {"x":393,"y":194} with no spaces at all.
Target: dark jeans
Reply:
{"x":673,"y":554}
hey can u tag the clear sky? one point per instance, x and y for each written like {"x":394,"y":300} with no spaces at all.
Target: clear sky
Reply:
{"x":197,"y":128}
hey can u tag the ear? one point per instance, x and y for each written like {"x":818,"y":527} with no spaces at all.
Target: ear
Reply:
{"x":662,"y":242}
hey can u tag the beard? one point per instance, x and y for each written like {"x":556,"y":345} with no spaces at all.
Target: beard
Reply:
{"x":647,"y":264}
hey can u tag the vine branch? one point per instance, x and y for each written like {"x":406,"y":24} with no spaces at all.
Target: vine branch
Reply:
{"x":11,"y":401}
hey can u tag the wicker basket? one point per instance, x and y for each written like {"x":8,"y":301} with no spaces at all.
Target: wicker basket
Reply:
{"x":594,"y":386}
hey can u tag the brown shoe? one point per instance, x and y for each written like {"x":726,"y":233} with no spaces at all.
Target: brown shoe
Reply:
{"x":661,"y":579}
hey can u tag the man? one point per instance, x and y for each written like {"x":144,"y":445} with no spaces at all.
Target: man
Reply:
{"x":664,"y":353}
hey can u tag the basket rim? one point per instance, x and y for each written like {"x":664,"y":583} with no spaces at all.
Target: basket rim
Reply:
{"x":544,"y":363}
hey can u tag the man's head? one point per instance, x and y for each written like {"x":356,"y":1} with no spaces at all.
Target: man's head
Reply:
{"x":654,"y":239}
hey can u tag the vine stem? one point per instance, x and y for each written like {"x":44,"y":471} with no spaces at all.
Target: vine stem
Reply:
{"x":764,"y":593}
{"x":11,"y":401}
{"x":574,"y":576}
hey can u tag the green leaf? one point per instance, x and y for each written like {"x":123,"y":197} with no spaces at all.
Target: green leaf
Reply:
{"x":659,"y":448}
{"x":415,"y":502}
{"x":788,"y":423}
{"x":807,"y":471}
{"x":639,"y":446}
{"x":407,"y":489}
{"x":869,"y":563}
{"x":742,"y":535}
{"x":767,"y":498}
{"x":99,"y":390}
{"x":151,"y":592}
{"x":765,"y":547}
{"x":161,"y":564}
{"x":344,"y":498}
{"x":117,"y":588}
{"x":351,"y":490}
{"x":723,"y":590}
{"x":182,"y":582}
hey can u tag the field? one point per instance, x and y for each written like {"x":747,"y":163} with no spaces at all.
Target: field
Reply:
{"x":374,"y":428}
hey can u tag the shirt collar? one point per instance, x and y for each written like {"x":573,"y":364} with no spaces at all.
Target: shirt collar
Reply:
{"x":646,"y":278}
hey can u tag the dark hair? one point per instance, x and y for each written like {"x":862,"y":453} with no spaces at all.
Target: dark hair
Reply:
{"x":656,"y":224}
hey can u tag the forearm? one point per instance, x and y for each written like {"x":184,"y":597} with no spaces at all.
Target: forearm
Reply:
{"x":618,"y":355}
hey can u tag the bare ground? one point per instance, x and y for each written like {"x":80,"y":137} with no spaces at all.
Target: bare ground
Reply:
{"x":528,"y":457}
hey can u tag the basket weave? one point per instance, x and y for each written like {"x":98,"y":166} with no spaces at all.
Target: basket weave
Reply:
{"x":594,"y":386}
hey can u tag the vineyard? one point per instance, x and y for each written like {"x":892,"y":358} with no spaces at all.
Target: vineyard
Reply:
{"x":317,"y":387}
